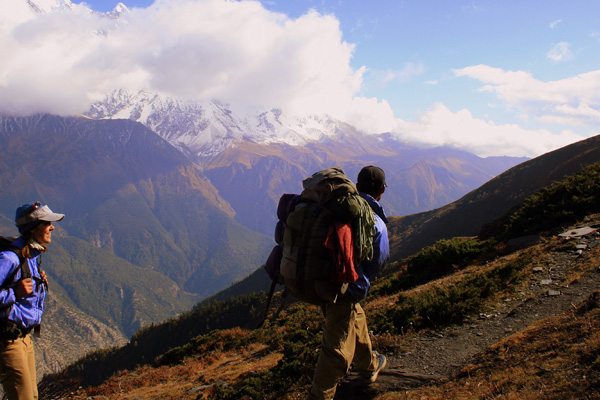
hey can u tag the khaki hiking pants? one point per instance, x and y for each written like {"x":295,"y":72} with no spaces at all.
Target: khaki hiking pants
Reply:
{"x":345,"y":340}
{"x":17,"y":369}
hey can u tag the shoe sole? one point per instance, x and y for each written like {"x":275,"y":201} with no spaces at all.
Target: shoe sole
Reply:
{"x":373,"y":378}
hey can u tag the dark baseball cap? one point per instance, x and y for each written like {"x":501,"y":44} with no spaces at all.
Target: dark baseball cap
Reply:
{"x":371,"y":176}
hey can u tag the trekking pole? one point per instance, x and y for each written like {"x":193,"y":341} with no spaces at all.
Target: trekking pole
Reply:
{"x":268,"y":305}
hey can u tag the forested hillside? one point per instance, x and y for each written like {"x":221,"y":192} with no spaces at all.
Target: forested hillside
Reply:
{"x":145,"y":234}
{"x":466,"y":216}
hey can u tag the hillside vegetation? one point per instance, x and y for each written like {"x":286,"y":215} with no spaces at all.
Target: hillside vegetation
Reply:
{"x":212,"y":352}
{"x":491,"y":201}
{"x":146,"y":235}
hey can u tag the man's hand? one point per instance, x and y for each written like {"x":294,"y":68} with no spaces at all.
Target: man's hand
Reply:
{"x":24,"y":288}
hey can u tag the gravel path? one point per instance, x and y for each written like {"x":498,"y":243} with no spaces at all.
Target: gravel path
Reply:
{"x":441,"y":354}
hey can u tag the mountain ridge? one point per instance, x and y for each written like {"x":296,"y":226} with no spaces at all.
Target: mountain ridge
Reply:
{"x":202,"y":129}
{"x":233,"y":151}
{"x":493,"y":285}
{"x":132,"y":193}
{"x":145,"y":237}
{"x":491,"y":200}
{"x":115,"y":158}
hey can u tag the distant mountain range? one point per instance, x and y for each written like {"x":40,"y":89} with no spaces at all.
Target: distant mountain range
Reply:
{"x":169,"y":202}
{"x":208,"y":336}
{"x":468,"y":215}
{"x":146,"y":234}
{"x":252,"y":160}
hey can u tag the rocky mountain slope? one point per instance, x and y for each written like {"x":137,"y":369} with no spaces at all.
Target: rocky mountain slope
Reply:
{"x":146,"y":234}
{"x":494,"y":291}
{"x":253,"y":159}
{"x":467,"y":360}
{"x":468,"y":215}
{"x":67,"y":333}
{"x":131,"y":193}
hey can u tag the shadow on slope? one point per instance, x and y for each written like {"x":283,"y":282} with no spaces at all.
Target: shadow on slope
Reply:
{"x":397,"y":312}
{"x":466,"y":216}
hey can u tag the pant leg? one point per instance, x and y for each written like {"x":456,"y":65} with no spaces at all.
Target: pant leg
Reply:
{"x":365,"y":362}
{"x":15,"y":374}
{"x":31,"y":364}
{"x":337,"y":348}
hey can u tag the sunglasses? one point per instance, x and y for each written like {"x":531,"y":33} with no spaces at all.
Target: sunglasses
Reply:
{"x":35,"y":206}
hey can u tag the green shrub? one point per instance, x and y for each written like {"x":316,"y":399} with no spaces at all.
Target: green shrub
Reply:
{"x":433,"y":262}
{"x":563,"y":202}
{"x":445,"y":305}
{"x":297,"y":334}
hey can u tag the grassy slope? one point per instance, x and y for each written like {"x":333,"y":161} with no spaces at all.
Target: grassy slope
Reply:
{"x":556,"y":358}
{"x":283,"y":352}
{"x":276,"y":362}
{"x":466,"y":216}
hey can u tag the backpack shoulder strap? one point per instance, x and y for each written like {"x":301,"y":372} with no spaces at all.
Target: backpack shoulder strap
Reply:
{"x":23,"y":267}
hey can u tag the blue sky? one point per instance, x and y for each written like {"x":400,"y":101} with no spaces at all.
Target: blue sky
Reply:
{"x":493,"y":77}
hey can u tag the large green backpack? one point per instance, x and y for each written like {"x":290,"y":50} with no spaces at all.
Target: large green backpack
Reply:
{"x":307,"y":268}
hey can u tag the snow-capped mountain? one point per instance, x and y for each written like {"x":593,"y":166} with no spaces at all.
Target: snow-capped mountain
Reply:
{"x":206,"y":128}
{"x":19,"y":11}
{"x":252,"y":160}
{"x":44,"y":6}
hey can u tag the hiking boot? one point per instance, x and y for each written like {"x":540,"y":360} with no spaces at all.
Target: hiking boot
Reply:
{"x":382,"y":361}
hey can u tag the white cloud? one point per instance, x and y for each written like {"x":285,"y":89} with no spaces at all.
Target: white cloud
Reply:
{"x":560,"y":52}
{"x":571,"y":101}
{"x":554,"y":24}
{"x":369,"y":115}
{"x":440,"y":126}
{"x":61,"y":60}
{"x":237,"y":52}
{"x":410,"y":70}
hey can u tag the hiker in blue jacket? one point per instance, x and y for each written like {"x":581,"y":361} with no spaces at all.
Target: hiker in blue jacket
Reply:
{"x":346,"y":335}
{"x":22,"y":295}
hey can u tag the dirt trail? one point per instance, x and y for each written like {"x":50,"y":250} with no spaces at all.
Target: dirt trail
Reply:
{"x":433,"y":356}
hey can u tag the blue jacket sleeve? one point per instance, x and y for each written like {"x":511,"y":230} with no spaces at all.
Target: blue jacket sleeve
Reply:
{"x":367,"y":270}
{"x":8,"y":262}
{"x":381,"y":251}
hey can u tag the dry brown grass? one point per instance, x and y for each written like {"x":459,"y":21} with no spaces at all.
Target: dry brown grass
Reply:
{"x":193,"y":379}
{"x":558,"y":358}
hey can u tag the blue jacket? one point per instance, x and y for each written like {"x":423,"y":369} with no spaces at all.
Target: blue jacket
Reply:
{"x":367,"y":270}
{"x":27,"y":311}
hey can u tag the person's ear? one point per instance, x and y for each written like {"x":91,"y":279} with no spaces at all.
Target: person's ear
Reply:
{"x":381,"y":191}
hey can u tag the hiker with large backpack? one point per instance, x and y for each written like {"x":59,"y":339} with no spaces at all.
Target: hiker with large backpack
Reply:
{"x":331,"y":241}
{"x":346,"y":336}
{"x":22,"y":292}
